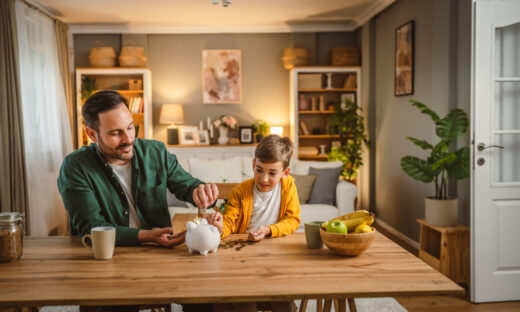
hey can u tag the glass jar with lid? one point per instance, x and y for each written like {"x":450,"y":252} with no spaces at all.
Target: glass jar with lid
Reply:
{"x":11,"y":236}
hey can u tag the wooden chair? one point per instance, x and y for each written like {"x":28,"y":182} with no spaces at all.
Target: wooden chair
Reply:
{"x":340,"y":305}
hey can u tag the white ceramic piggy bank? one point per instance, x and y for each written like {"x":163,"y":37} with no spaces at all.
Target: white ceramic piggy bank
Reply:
{"x":202,"y":237}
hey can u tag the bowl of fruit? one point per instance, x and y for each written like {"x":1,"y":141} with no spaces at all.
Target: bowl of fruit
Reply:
{"x":350,"y":234}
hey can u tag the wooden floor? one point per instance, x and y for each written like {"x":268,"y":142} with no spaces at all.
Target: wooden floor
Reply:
{"x":444,"y":303}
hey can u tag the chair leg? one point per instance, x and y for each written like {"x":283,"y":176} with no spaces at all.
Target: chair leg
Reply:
{"x":327,"y":305}
{"x":303,"y":305}
{"x":352,"y":305}
{"x":342,"y":305}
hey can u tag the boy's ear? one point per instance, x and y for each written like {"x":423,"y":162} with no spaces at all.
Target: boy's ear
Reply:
{"x":286,"y":172}
{"x":254,"y":163}
{"x":92,"y":134}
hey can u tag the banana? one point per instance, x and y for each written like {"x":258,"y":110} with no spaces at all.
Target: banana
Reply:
{"x":353,"y":223}
{"x":355,"y":214}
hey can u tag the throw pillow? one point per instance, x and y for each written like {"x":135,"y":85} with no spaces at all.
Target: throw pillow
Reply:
{"x":301,"y":167}
{"x":304,"y":185}
{"x":324,"y":189}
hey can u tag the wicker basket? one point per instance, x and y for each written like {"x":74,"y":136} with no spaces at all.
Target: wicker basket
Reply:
{"x":295,"y":57}
{"x":132,"y":57}
{"x":345,"y":56}
{"x":102,"y":56}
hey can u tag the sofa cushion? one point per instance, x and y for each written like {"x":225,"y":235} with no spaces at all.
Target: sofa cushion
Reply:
{"x":217,"y":171}
{"x":304,"y":185}
{"x":324,"y":189}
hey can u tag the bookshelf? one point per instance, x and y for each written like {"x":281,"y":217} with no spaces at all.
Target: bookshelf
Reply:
{"x":314,"y":89}
{"x":134,"y":84}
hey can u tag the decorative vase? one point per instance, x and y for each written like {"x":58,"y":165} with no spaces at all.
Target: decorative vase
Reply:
{"x":223,"y":135}
{"x":441,"y":212}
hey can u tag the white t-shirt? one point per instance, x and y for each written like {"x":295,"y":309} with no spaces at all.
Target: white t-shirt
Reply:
{"x":266,"y":207}
{"x":124,"y":174}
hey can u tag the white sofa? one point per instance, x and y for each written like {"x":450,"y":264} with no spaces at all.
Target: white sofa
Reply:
{"x":238,"y":169}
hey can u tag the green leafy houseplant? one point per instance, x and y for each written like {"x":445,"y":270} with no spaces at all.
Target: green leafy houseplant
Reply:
{"x":349,"y":124}
{"x":442,"y":163}
{"x":260,"y":130}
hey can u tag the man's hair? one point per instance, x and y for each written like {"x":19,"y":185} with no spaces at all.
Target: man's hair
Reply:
{"x":274,"y":148}
{"x":99,"y":102}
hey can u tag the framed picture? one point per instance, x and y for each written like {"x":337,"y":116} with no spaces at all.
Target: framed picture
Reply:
{"x":404,"y":59}
{"x":246,"y":135}
{"x":351,"y":96}
{"x":221,"y":76}
{"x":203,"y":137}
{"x":188,"y":135}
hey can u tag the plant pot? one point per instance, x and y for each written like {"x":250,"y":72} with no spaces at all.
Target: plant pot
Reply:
{"x":259,"y":138}
{"x":441,"y":212}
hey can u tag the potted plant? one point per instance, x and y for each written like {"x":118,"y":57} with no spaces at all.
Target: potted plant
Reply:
{"x":349,"y":125}
{"x":440,"y":165}
{"x":261,"y":130}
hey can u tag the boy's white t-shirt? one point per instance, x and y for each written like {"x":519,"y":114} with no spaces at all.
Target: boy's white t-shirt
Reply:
{"x":124,"y":174}
{"x":266,"y":207}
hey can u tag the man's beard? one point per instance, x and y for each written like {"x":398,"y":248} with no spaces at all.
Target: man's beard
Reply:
{"x":115,"y":153}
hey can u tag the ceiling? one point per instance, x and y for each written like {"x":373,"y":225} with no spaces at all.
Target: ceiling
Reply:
{"x":201,"y":16}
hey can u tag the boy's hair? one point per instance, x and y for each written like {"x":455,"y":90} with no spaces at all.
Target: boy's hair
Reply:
{"x":99,"y":102}
{"x":274,"y":148}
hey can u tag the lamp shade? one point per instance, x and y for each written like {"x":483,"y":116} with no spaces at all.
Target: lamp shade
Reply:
{"x":276,"y":130}
{"x":171,"y":114}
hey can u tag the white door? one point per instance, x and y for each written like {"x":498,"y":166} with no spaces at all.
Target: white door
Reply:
{"x":495,"y":217}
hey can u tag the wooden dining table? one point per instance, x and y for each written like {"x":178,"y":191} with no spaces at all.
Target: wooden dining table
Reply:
{"x":60,"y":271}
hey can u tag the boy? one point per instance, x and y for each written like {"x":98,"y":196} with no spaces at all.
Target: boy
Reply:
{"x":265,"y":206}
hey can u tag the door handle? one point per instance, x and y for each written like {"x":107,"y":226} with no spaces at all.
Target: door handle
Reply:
{"x":482,"y":146}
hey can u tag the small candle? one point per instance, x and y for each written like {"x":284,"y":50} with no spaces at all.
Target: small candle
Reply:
{"x":211,"y":131}
{"x":208,"y":122}
{"x":201,"y":126}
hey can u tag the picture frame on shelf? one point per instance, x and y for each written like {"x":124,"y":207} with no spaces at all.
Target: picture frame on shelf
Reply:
{"x":344,"y":97}
{"x":203,"y":137}
{"x":188,"y":135}
{"x":404,"y":59}
{"x":245,"y":135}
{"x":221,"y":76}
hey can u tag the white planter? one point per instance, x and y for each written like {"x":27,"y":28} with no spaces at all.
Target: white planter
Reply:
{"x":223,"y":135}
{"x":441,"y":212}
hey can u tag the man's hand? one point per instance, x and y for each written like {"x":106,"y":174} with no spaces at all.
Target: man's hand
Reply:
{"x":217,"y":220}
{"x":205,"y":195}
{"x":259,"y":234}
{"x":162,"y":236}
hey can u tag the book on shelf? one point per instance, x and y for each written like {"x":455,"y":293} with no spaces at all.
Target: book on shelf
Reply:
{"x":303,"y":128}
{"x":136,"y":105}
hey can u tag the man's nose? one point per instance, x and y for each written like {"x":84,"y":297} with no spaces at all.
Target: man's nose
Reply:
{"x":126,"y":137}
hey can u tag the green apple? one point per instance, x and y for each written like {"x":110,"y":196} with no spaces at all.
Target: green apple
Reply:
{"x":336,"y":226}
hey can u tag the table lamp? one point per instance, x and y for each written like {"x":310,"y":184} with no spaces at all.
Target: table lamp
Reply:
{"x":276,"y":130}
{"x":172,"y":114}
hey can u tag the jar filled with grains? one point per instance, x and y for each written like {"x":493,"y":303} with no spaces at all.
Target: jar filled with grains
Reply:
{"x":11,"y":236}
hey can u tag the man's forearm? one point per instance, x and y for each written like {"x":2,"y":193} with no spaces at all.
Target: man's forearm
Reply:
{"x":144,"y":236}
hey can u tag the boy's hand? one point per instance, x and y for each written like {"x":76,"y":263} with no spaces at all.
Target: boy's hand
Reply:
{"x":217,"y":220}
{"x":205,"y":195}
{"x":259,"y":234}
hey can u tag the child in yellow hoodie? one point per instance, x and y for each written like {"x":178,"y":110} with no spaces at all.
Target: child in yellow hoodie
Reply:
{"x":265,"y":206}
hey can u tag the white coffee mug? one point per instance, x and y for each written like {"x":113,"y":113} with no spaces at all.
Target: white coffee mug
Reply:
{"x":103,"y":240}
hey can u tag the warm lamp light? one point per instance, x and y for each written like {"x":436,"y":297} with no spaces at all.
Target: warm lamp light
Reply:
{"x":172,"y":114}
{"x":277,"y":130}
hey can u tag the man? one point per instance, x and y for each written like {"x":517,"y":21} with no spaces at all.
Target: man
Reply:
{"x":120,"y":180}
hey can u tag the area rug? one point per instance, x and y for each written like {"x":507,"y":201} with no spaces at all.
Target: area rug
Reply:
{"x":362,"y":304}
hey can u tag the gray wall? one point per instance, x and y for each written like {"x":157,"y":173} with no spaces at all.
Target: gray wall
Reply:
{"x":175,"y":63}
{"x":442,"y":54}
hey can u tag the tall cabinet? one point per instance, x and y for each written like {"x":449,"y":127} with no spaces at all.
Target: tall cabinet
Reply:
{"x":134,"y":84}
{"x":314,"y":92}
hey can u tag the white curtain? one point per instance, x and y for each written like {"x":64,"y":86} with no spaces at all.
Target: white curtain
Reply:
{"x":46,"y":124}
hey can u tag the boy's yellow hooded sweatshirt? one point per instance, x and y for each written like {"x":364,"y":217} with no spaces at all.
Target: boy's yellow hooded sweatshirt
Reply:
{"x":240,"y":205}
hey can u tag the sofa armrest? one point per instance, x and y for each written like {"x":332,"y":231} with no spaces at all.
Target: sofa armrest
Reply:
{"x":346,"y":194}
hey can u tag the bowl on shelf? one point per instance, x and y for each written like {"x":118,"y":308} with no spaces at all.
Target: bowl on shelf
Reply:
{"x":352,"y":244}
